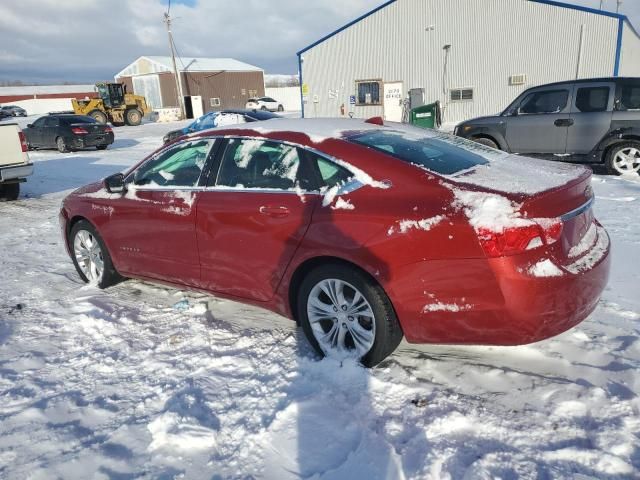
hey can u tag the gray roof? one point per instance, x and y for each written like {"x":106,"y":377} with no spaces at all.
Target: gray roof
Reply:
{"x":202,"y":64}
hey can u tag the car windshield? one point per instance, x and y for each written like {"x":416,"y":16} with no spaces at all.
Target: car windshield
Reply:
{"x":438,"y":152}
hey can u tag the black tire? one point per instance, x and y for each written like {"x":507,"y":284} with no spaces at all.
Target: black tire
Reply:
{"x":280,"y":108}
{"x":133,"y":117}
{"x":101,"y":147}
{"x":613,"y":167}
{"x":62,"y":145}
{"x":388,"y":332}
{"x":9,"y":192}
{"x":263,"y":108}
{"x":99,"y":116}
{"x":109,"y":275}
{"x":486,"y":142}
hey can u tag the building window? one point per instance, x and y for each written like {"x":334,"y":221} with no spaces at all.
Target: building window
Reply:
{"x":461,"y":94}
{"x":214,"y":102}
{"x":368,"y":92}
{"x":244,"y":91}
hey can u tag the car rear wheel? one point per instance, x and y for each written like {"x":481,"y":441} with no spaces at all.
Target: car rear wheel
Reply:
{"x":9,"y":192}
{"x":280,"y":108}
{"x":133,"y":117}
{"x":487,"y":142}
{"x":624,"y":159}
{"x":62,"y":145}
{"x":99,"y":116}
{"x":90,"y":256}
{"x":263,"y":108}
{"x":346,"y":314}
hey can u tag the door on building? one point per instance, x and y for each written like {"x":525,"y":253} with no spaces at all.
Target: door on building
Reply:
{"x":539,"y":123}
{"x":149,"y":87}
{"x":196,"y":106}
{"x":393,"y":95}
{"x":591,"y":113}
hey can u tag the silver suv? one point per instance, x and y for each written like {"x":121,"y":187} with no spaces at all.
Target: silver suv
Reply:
{"x":584,"y":121}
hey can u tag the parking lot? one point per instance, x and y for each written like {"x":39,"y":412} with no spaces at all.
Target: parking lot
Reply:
{"x":141,"y":380}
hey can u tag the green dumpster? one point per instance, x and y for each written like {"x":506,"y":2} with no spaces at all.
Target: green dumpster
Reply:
{"x":426,"y":116}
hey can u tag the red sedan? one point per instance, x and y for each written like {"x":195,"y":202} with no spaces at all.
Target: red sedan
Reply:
{"x":360,"y":231}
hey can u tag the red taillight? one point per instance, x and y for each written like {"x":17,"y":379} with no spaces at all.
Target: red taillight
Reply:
{"x":23,"y":141}
{"x":79,"y":131}
{"x":108,"y":130}
{"x":514,"y":240}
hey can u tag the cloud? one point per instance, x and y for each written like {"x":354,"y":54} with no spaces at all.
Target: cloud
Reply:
{"x":57,"y":40}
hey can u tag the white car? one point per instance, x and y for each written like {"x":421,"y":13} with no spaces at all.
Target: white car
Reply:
{"x":264,"y":103}
{"x":15,"y":165}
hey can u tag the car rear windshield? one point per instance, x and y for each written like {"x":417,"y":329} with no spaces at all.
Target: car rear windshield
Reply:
{"x":73,"y":119}
{"x":438,"y":152}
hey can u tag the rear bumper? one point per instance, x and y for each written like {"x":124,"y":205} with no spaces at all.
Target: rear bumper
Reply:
{"x":498,"y":301}
{"x":16,"y":172}
{"x":86,"y":142}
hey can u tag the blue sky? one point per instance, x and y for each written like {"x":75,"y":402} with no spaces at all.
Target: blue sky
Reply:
{"x":49,"y":41}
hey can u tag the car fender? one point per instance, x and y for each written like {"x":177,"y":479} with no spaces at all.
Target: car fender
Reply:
{"x":618,"y":134}
{"x":487,"y":131}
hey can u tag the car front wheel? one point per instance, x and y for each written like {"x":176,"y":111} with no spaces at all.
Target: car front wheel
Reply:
{"x":346,"y":314}
{"x":90,"y":256}
{"x":624,"y":159}
{"x":486,"y":142}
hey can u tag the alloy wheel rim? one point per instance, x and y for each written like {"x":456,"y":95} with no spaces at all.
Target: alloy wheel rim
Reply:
{"x":627,"y":160}
{"x":88,"y":255}
{"x":341,"y":319}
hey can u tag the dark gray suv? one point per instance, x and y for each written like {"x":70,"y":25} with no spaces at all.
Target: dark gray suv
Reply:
{"x":585,"y":121}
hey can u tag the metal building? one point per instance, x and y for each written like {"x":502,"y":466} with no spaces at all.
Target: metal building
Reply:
{"x":474,"y":56}
{"x":207,"y":83}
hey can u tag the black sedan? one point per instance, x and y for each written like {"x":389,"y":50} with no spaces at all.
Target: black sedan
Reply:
{"x":68,"y":133}
{"x":13,"y":111}
{"x":219,"y":119}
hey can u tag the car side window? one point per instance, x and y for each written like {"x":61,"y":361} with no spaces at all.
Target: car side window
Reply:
{"x":39,"y":123}
{"x":592,"y":99}
{"x":251,"y":163}
{"x":51,"y":122}
{"x":629,"y":97}
{"x":331,"y":174}
{"x":546,"y":101}
{"x":179,"y":166}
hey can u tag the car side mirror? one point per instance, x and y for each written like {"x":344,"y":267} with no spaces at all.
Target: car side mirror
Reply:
{"x":114,"y":183}
{"x":30,"y":125}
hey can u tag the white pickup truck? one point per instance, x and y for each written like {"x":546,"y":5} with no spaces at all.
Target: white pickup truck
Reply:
{"x":15,"y":165}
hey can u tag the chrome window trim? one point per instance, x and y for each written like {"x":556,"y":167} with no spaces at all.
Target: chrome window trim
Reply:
{"x":577,"y":211}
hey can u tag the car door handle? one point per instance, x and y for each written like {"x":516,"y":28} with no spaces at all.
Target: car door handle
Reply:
{"x":274,"y":211}
{"x":563,"y":122}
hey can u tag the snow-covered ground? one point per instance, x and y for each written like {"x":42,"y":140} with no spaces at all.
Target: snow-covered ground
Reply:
{"x":144,"y":381}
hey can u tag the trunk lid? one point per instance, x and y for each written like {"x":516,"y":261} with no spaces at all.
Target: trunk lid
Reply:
{"x":544,"y":191}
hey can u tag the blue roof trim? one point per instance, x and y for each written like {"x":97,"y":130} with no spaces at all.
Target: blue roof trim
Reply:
{"x":616,"y":67}
{"x":582,"y":9}
{"x":362,"y":17}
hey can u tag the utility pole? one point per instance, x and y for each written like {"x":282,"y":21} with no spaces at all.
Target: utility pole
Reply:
{"x":618,"y":6}
{"x":167,"y":21}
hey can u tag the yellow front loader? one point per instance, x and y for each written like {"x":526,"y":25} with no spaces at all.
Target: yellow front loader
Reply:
{"x":113,"y":105}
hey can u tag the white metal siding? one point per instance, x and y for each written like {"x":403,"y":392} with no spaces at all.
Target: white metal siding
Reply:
{"x":490,"y":41}
{"x":630,"y":56}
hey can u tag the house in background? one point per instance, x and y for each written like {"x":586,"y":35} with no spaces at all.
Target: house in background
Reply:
{"x":208,"y":84}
